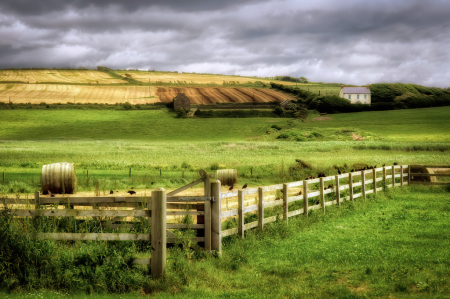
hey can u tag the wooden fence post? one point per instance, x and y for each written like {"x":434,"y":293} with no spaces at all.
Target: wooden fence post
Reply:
{"x":216,"y":222}
{"x":305,"y":198}
{"x":374,"y":177}
{"x":285,"y":202}
{"x":363,"y":184}
{"x":350,"y":185}
{"x":401,"y":175}
{"x":409,"y":174}
{"x":322,"y":195}
{"x":393,"y":176}
{"x":384,"y":178}
{"x":241,"y":213}
{"x":207,"y":230}
{"x":159,"y":234}
{"x":338,"y":191}
{"x":37,"y":205}
{"x":261,"y":208}
{"x":202,"y":207}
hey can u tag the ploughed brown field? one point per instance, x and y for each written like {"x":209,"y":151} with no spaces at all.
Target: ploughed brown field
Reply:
{"x":209,"y":95}
{"x":60,"y":93}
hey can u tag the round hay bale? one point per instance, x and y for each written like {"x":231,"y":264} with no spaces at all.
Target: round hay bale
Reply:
{"x":422,"y":169}
{"x":59,"y":178}
{"x":228,"y":177}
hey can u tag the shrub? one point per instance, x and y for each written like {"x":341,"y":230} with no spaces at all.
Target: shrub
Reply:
{"x":276,"y":127}
{"x":181,"y":112}
{"x":185,"y":165}
{"x":127,"y":106}
{"x":278,"y":110}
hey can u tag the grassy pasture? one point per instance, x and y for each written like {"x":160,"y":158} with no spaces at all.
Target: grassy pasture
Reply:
{"x":110,"y":142}
{"x":58,"y":76}
{"x":394,"y":245}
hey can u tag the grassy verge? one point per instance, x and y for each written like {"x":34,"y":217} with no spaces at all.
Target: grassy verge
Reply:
{"x":392,"y":245}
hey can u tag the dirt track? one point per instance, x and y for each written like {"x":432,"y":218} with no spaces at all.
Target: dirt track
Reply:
{"x":208,"y":95}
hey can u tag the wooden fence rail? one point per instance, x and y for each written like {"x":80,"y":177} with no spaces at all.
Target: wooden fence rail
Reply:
{"x":306,"y":195}
{"x":369,"y":182}
{"x":156,"y":208}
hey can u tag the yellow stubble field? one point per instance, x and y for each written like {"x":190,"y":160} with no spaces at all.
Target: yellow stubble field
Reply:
{"x":58,"y":76}
{"x":59,"y":93}
{"x":167,"y":77}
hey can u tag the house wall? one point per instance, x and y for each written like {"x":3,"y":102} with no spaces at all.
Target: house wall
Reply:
{"x":354,"y":97}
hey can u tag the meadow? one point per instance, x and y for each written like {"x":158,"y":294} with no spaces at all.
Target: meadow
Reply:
{"x":168,"y":151}
{"x":393,"y":245}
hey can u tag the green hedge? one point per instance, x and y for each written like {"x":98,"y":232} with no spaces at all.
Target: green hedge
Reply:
{"x":385,"y":96}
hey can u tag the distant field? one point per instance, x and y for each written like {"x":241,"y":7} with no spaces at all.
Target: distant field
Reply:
{"x":58,"y":76}
{"x":106,"y":139}
{"x":59,"y":93}
{"x":36,"y":86}
{"x":144,"y":77}
{"x":207,"y":95}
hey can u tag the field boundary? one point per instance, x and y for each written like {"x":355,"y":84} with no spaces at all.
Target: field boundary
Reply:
{"x":364,"y":182}
{"x":301,"y":196}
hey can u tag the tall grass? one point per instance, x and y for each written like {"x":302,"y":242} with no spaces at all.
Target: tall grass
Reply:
{"x":394,"y":244}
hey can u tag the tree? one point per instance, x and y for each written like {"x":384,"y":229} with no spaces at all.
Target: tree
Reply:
{"x":278,"y":110}
{"x":303,"y":80}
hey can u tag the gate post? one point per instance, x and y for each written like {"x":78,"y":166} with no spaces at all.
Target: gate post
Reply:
{"x":159,"y":235}
{"x":216,"y":222}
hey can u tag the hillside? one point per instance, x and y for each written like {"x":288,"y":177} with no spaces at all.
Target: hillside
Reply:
{"x":139,"y":87}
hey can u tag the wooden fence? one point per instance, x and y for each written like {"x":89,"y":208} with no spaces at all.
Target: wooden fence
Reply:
{"x":427,"y":174}
{"x":155,"y":208}
{"x":369,"y":181}
{"x":309,"y":194}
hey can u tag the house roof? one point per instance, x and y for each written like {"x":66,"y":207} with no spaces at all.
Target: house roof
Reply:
{"x":356,"y":90}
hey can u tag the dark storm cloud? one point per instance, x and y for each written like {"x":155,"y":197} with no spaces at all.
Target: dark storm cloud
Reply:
{"x":347,"y":41}
{"x":27,"y":7}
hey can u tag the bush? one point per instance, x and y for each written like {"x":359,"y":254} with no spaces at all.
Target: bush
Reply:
{"x":278,"y":110}
{"x":127,"y":106}
{"x":330,"y":104}
{"x":182,"y":113}
{"x":276,"y":127}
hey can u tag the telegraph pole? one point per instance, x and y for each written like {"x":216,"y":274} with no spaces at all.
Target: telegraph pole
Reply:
{"x":149,"y":90}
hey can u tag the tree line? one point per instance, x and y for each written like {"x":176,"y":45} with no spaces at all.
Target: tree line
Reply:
{"x":385,"y":96}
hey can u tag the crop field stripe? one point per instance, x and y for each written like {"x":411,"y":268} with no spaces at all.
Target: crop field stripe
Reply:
{"x":223,"y":92}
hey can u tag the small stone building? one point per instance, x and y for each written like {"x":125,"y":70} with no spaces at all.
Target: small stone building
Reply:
{"x":181,"y":100}
{"x":356,"y":95}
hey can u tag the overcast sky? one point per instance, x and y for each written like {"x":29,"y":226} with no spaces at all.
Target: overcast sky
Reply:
{"x":345,"y":41}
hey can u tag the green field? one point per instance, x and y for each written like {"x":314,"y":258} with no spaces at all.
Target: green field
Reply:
{"x":394,"y":245}
{"x":110,"y":142}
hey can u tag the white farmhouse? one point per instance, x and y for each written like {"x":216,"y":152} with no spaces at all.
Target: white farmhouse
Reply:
{"x":356,"y":95}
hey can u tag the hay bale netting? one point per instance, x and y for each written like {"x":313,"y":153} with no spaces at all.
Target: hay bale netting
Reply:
{"x":227,"y":177}
{"x":59,"y":178}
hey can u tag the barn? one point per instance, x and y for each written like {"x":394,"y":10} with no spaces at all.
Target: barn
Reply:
{"x":181,"y":100}
{"x":356,"y":95}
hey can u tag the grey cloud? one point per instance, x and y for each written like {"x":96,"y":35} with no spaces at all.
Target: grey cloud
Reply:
{"x":350,"y":41}
{"x":26,"y":7}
